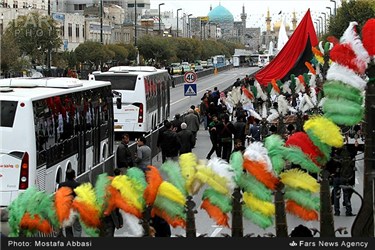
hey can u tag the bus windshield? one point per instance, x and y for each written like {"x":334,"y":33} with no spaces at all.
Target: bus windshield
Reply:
{"x":119,"y":82}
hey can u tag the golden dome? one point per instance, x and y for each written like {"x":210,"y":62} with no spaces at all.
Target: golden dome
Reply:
{"x":277,"y":24}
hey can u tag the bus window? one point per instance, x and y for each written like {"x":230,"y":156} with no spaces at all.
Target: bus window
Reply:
{"x":8,"y":112}
{"x":119,"y":82}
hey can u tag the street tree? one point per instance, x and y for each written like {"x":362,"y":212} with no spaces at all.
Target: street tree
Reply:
{"x":94,"y":53}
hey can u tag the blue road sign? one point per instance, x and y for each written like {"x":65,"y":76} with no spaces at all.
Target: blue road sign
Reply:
{"x":190,"y":89}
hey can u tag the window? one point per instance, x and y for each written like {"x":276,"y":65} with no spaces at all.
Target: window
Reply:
{"x":83,"y":31}
{"x":130,"y":5}
{"x":8,"y":112}
{"x":15,"y":4}
{"x":70,"y":31}
{"x":79,"y":6}
{"x":62,"y":30}
{"x":141,"y":5}
{"x":77,"y":30}
{"x":120,"y":82}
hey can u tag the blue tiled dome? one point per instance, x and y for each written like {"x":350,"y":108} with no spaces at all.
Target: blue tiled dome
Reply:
{"x":220,"y":14}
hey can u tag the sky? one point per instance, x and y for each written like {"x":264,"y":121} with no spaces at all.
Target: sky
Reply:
{"x":256,"y":9}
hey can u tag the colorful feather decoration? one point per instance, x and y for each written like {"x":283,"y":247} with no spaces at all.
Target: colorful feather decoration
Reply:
{"x":336,"y":89}
{"x":222,"y":169}
{"x":275,"y":146}
{"x":173,"y":209}
{"x":247,"y":93}
{"x":264,"y":207}
{"x":154,"y":180}
{"x":305,"y":214}
{"x":323,"y":148}
{"x":86,"y":205}
{"x":188,"y":163}
{"x":340,"y":73}
{"x":35,"y":223}
{"x":101,"y":193}
{"x":325,"y":130}
{"x":236,"y":162}
{"x":343,"y":112}
{"x":215,"y":213}
{"x":138,"y":178}
{"x":303,"y":198}
{"x":174,"y":222}
{"x":250,"y":184}
{"x":118,"y":201}
{"x":275,"y":86}
{"x":63,"y":203}
{"x":258,"y":170}
{"x":169,"y":191}
{"x":221,"y":201}
{"x":128,"y":191}
{"x":310,"y":67}
{"x":173,"y":171}
{"x":302,"y":141}
{"x":368,"y":36}
{"x":257,"y":218}
{"x":296,"y":178}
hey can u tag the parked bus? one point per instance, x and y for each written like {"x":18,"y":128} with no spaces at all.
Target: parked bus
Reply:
{"x":218,"y":61}
{"x":264,"y":60}
{"x":49,"y":125}
{"x":141,"y":97}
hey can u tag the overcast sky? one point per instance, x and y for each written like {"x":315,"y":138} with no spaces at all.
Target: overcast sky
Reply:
{"x":256,"y":9}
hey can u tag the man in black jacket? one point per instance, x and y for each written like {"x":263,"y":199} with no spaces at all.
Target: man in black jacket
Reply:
{"x":123,"y":155}
{"x":186,"y":138}
{"x":170,"y":144}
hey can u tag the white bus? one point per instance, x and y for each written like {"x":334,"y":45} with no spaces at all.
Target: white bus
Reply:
{"x":48,"y":125}
{"x":141,"y":97}
{"x":264,"y":60}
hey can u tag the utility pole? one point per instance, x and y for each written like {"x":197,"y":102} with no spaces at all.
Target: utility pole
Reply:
{"x":135,"y":23}
{"x":49,"y":52}
{"x":101,"y":21}
{"x":177,"y":21}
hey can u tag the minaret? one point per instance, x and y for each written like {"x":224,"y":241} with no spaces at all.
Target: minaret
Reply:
{"x":268,"y":21}
{"x":210,"y":7}
{"x":243,"y":18}
{"x":294,"y":21}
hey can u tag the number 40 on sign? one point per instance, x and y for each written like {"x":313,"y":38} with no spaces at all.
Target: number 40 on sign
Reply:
{"x":190,"y":77}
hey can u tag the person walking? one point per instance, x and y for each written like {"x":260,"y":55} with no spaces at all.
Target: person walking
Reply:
{"x":239,"y":129}
{"x":203,"y":107}
{"x":176,"y":123}
{"x":254,"y":131}
{"x":171,"y":143}
{"x":186,"y":139}
{"x":160,"y":140}
{"x":225,"y":131}
{"x":213,"y":137}
{"x":124,"y":157}
{"x":76,"y":229}
{"x":143,"y":156}
{"x":192,"y":123}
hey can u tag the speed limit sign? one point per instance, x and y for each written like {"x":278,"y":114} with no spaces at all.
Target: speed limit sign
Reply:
{"x":190,"y":77}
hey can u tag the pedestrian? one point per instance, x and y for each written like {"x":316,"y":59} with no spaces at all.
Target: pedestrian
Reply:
{"x":215,"y":95}
{"x":161,"y":139}
{"x":254,"y":131}
{"x":176,"y":123}
{"x":76,"y":229}
{"x":192,"y":123}
{"x":213,"y":137}
{"x":225,"y":130}
{"x":237,"y":83}
{"x":171,"y":143}
{"x":143,"y":156}
{"x":238,"y":146}
{"x":203,"y":107}
{"x":239,"y":129}
{"x":186,"y":139}
{"x":113,"y":220}
{"x":124,"y":156}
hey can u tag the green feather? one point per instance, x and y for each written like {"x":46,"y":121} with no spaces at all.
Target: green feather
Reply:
{"x":236,"y":161}
{"x":101,"y":185}
{"x":325,"y":149}
{"x":296,"y":156}
{"x":303,"y":198}
{"x":254,"y":90}
{"x":280,"y":84}
{"x":336,"y":89}
{"x":137,"y":176}
{"x":173,"y":171}
{"x":314,"y":61}
{"x":173,"y":209}
{"x":269,"y":88}
{"x":274,"y":145}
{"x":49,"y":211}
{"x":343,"y":107}
{"x":252,"y":185}
{"x":344,"y":119}
{"x":306,"y":78}
{"x":327,"y":45}
{"x":90,"y":231}
{"x":257,"y":218}
{"x":218,"y":199}
{"x":293,"y":83}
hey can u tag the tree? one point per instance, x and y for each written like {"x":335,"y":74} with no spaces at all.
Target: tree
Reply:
{"x":34,"y":34}
{"x":93,"y":52}
{"x":156,"y":48}
{"x":120,"y":53}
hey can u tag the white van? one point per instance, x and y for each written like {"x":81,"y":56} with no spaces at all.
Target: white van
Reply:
{"x":264,"y":60}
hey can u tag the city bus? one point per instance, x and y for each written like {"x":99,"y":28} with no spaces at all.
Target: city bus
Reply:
{"x":264,"y":60}
{"x":218,"y":61}
{"x":141,"y":97}
{"x":49,"y":125}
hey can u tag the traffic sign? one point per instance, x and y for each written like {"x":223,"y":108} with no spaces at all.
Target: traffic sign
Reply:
{"x":190,"y":77}
{"x":190,"y":89}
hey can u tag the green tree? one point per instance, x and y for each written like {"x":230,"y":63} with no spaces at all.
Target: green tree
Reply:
{"x":155,"y":48}
{"x":120,"y":53}
{"x":93,"y":52}
{"x":34,"y":34}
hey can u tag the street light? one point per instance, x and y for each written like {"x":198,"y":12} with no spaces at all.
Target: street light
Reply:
{"x":333,"y":1}
{"x":177,"y":21}
{"x":330,"y":10}
{"x":325,"y":21}
{"x":321,"y":19}
{"x":189,"y":30}
{"x":160,"y":4}
{"x":318,"y":26}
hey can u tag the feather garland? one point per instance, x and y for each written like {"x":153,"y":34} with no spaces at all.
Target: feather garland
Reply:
{"x":347,"y":76}
{"x":236,"y":162}
{"x":368,"y":36}
{"x":215,"y":213}
{"x":303,"y":198}
{"x":172,"y":208}
{"x":250,"y":184}
{"x":223,"y":169}
{"x":87,"y":213}
{"x":206,"y":175}
{"x":127,"y":191}
{"x":188,"y":163}
{"x":154,"y":180}
{"x":323,"y":148}
{"x":302,"y":141}
{"x":296,"y":178}
{"x":102,"y":196}
{"x":274,"y":145}
{"x":257,"y":152}
{"x":169,"y":191}
{"x":264,"y":207}
{"x":34,"y":222}
{"x":336,"y":89}
{"x":221,"y":201}
{"x":138,"y":178}
{"x":174,"y":222}
{"x":257,"y":218}
{"x":173,"y":171}
{"x":63,"y":203}
{"x":310,"y":67}
{"x":325,"y":130}
{"x":122,"y":204}
{"x":301,"y":212}
{"x":258,"y":170}
{"x":344,"y":119}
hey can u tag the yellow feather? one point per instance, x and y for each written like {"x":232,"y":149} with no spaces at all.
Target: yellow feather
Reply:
{"x":299,"y":179}
{"x":327,"y":131}
{"x":188,"y":162}
{"x":86,"y":194}
{"x":265,"y":207}
{"x":127,"y":190}
{"x":170,"y":191}
{"x":207,"y":175}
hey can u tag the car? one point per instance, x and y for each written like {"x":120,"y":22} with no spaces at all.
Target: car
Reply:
{"x":204,"y":64}
{"x":176,"y":70}
{"x":198,"y":67}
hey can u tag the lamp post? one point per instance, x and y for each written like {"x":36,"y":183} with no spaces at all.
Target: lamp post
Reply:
{"x":325,"y":21}
{"x":160,"y":4}
{"x":330,"y":10}
{"x":177,"y":21}
{"x":189,"y":29}
{"x":321,"y":23}
{"x":318,"y":26}
{"x":333,"y":1}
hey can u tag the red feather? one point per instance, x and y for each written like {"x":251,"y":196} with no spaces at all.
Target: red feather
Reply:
{"x":333,"y":40}
{"x":88,"y":214}
{"x":303,"y":213}
{"x":123,"y":205}
{"x":302,"y":80}
{"x":259,"y":171}
{"x":63,"y":203}
{"x":35,"y":222}
{"x":302,"y":140}
{"x":368,"y":36}
{"x":316,"y":51}
{"x":275,"y":86}
{"x":215,"y":213}
{"x":174,"y":222}
{"x":154,"y":180}
{"x":247,"y":92}
{"x":310,"y":67}
{"x":343,"y":54}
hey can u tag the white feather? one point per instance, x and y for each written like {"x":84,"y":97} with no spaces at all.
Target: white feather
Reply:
{"x":223,"y":169}
{"x":260,"y":93}
{"x":257,"y":152}
{"x":321,"y":103}
{"x":282,"y":105}
{"x":72,"y":217}
{"x":350,"y":36}
{"x":299,"y":86}
{"x":274,"y":115}
{"x":264,"y":110}
{"x":321,"y":47}
{"x":301,"y":103}
{"x":312,"y":82}
{"x":132,"y":225}
{"x":344,"y":74}
{"x":286,"y":87}
{"x":292,"y":110}
{"x":308,"y":101}
{"x":255,"y":114}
